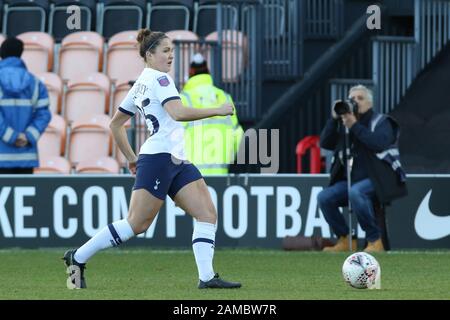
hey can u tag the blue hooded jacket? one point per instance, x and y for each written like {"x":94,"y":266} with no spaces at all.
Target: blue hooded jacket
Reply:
{"x":23,"y":109}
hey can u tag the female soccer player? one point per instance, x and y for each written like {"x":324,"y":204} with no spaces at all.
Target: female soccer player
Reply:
{"x":159,"y":169}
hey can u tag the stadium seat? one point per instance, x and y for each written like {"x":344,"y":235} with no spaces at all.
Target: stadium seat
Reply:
{"x":140,"y":136}
{"x":80,"y":46}
{"x":52,"y":142}
{"x":123,"y":51}
{"x":100,"y":165}
{"x":120,"y":92}
{"x":186,"y":51}
{"x":55,"y":89}
{"x":58,"y":17}
{"x":234,"y":53}
{"x":48,"y":165}
{"x":121,"y":15}
{"x":87,"y":95}
{"x":276,"y":13}
{"x":166,"y":15}
{"x":38,"y":51}
{"x":205,"y":17}
{"x":32,"y":15}
{"x":90,"y":138}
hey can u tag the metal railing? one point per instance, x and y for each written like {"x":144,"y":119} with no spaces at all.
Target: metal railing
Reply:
{"x":287,"y":23}
{"x":283,"y":30}
{"x":394,"y":69}
{"x":183,"y":53}
{"x":398,"y":60}
{"x":240,"y":56}
{"x":432,"y":28}
{"x":324,"y":18}
{"x":233,"y":55}
{"x":234,"y":59}
{"x":305,"y":108}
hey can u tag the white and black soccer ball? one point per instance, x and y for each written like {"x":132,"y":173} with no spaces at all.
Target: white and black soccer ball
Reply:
{"x":361,"y":271}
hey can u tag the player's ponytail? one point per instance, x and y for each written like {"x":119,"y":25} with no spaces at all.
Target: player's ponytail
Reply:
{"x":148,"y":41}
{"x":143,"y":33}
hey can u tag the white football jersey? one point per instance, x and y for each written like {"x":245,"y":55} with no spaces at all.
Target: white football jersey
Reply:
{"x":151,"y":90}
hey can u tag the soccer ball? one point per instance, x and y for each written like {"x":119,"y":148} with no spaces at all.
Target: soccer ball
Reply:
{"x":362,"y":271}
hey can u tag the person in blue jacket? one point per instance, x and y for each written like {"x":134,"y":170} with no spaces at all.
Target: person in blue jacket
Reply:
{"x":376,"y":172}
{"x":24,"y":111}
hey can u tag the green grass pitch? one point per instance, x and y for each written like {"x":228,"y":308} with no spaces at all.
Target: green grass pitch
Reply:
{"x":265,"y":274}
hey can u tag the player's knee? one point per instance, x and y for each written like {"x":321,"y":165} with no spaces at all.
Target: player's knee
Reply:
{"x":139,"y":225}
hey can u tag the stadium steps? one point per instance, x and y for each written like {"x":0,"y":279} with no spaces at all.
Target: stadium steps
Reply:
{"x":424,"y":115}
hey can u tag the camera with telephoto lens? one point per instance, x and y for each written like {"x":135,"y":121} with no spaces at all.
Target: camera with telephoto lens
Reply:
{"x":345,"y":106}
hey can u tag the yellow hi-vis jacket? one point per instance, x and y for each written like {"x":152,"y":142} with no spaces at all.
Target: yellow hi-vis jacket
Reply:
{"x":212,"y":143}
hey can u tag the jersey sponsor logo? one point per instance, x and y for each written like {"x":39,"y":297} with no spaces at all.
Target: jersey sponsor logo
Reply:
{"x":163,"y":81}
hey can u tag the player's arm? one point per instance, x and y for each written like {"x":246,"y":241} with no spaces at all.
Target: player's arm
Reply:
{"x":120,"y":135}
{"x":180,"y":113}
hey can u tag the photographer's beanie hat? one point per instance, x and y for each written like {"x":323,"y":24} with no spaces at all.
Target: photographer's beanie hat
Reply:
{"x":11,"y":47}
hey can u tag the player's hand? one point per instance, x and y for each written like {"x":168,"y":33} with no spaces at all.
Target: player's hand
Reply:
{"x":21,"y":140}
{"x":226,"y":109}
{"x":132,"y":167}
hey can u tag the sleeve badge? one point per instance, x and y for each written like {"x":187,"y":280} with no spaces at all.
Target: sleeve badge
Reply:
{"x":163,"y":81}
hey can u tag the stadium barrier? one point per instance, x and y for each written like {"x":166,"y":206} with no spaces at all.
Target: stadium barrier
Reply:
{"x":253,"y":211}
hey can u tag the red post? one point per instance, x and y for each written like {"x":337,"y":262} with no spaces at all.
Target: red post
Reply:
{"x":309,"y":142}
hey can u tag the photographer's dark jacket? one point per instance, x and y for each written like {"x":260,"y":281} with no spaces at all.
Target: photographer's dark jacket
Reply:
{"x":374,"y":146}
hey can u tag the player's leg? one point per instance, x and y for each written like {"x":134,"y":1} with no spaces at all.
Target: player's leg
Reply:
{"x":143,"y":209}
{"x":194,"y":199}
{"x":146,"y":200}
{"x":190,"y":193}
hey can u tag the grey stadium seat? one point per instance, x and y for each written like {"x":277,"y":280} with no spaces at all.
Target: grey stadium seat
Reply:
{"x":168,"y":15}
{"x":32,"y":15}
{"x":121,"y":15}
{"x":205,"y":17}
{"x":58,"y":16}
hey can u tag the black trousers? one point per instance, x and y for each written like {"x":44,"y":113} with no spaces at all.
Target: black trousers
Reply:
{"x":16,"y":170}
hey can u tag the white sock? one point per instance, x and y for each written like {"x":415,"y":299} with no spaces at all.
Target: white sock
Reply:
{"x":110,"y":236}
{"x":203,"y":245}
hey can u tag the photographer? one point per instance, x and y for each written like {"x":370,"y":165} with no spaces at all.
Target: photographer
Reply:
{"x":375,"y":169}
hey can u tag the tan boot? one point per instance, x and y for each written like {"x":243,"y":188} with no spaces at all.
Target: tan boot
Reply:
{"x":341,"y":245}
{"x":376,"y":246}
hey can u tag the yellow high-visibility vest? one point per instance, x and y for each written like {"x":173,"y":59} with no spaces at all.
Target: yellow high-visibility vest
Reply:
{"x":212,"y":143}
